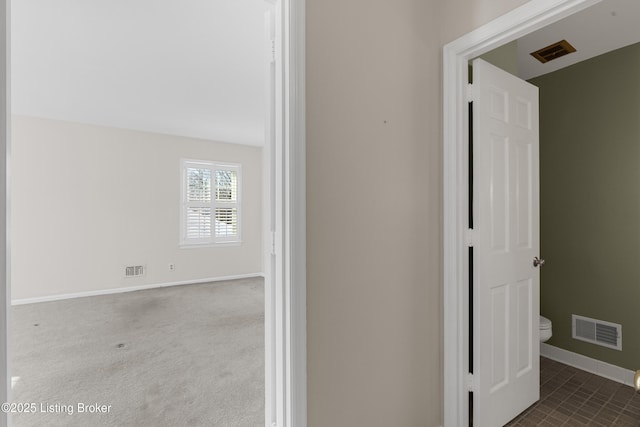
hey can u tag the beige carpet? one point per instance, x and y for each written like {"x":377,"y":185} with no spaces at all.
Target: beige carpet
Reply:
{"x":181,"y":356}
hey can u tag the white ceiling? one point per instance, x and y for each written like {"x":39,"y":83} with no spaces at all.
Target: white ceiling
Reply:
{"x":197,"y":67}
{"x":608,"y":25}
{"x":194,"y":68}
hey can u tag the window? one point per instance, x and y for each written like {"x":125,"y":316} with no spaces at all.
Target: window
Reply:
{"x":210,"y":203}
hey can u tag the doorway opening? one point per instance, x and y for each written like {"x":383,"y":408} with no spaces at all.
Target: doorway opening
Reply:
{"x":523,"y":20}
{"x":285,"y":336}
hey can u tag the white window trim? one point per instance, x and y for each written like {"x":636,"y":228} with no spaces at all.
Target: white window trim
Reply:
{"x":212,"y":241}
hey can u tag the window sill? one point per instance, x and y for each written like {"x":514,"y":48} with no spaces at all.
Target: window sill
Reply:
{"x":209,"y":245}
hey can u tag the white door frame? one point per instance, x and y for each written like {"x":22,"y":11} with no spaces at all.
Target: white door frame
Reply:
{"x":456,"y":55}
{"x":286,"y":329}
{"x":288,"y":407}
{"x":5,"y":199}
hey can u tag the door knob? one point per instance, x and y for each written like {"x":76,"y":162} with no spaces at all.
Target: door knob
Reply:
{"x":538,"y":262}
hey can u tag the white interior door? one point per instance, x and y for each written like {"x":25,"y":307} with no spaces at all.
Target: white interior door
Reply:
{"x":506,"y":285}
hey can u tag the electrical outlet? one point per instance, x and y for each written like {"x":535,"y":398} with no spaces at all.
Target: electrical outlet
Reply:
{"x":172,"y":267}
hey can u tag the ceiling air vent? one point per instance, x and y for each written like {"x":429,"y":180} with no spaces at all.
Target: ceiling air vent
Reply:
{"x":553,"y":51}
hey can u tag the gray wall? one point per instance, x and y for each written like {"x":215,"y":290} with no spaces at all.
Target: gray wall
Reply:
{"x":89,"y":200}
{"x":590,"y":199}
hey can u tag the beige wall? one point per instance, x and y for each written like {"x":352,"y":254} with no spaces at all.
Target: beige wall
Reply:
{"x":88,"y":200}
{"x":374,"y":237}
{"x":461,"y":16}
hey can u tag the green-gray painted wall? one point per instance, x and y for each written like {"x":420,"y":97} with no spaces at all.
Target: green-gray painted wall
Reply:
{"x":590,"y":200}
{"x":504,"y":57}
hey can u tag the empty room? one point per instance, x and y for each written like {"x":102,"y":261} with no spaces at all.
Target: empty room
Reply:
{"x":138,"y":200}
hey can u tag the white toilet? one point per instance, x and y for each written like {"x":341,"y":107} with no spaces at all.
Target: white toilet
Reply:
{"x":545,"y":329}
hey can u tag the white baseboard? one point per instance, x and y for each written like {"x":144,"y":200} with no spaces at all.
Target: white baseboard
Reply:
{"x":598,"y":367}
{"x":130,"y":289}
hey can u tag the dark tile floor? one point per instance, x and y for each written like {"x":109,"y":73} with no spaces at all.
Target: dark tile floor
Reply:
{"x":571,"y":397}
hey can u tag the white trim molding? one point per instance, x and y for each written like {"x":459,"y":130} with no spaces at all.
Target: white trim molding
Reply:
{"x":120,"y":290}
{"x":286,"y":332}
{"x":597,"y":367}
{"x":5,"y":200}
{"x":296,"y":231}
{"x":529,"y":17}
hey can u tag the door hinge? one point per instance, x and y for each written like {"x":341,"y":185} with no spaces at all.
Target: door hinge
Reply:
{"x":273,"y":50}
{"x":470,"y":237}
{"x":471,"y":382}
{"x":470,"y":93}
{"x":273,"y":243}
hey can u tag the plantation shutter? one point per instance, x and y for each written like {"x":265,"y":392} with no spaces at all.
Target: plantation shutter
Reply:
{"x":211,"y":203}
{"x":198,"y":202}
{"x":226,"y":213}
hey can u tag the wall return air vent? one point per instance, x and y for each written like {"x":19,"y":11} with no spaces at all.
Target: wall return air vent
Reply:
{"x":553,"y":51}
{"x":598,"y":332}
{"x":134,"y":271}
